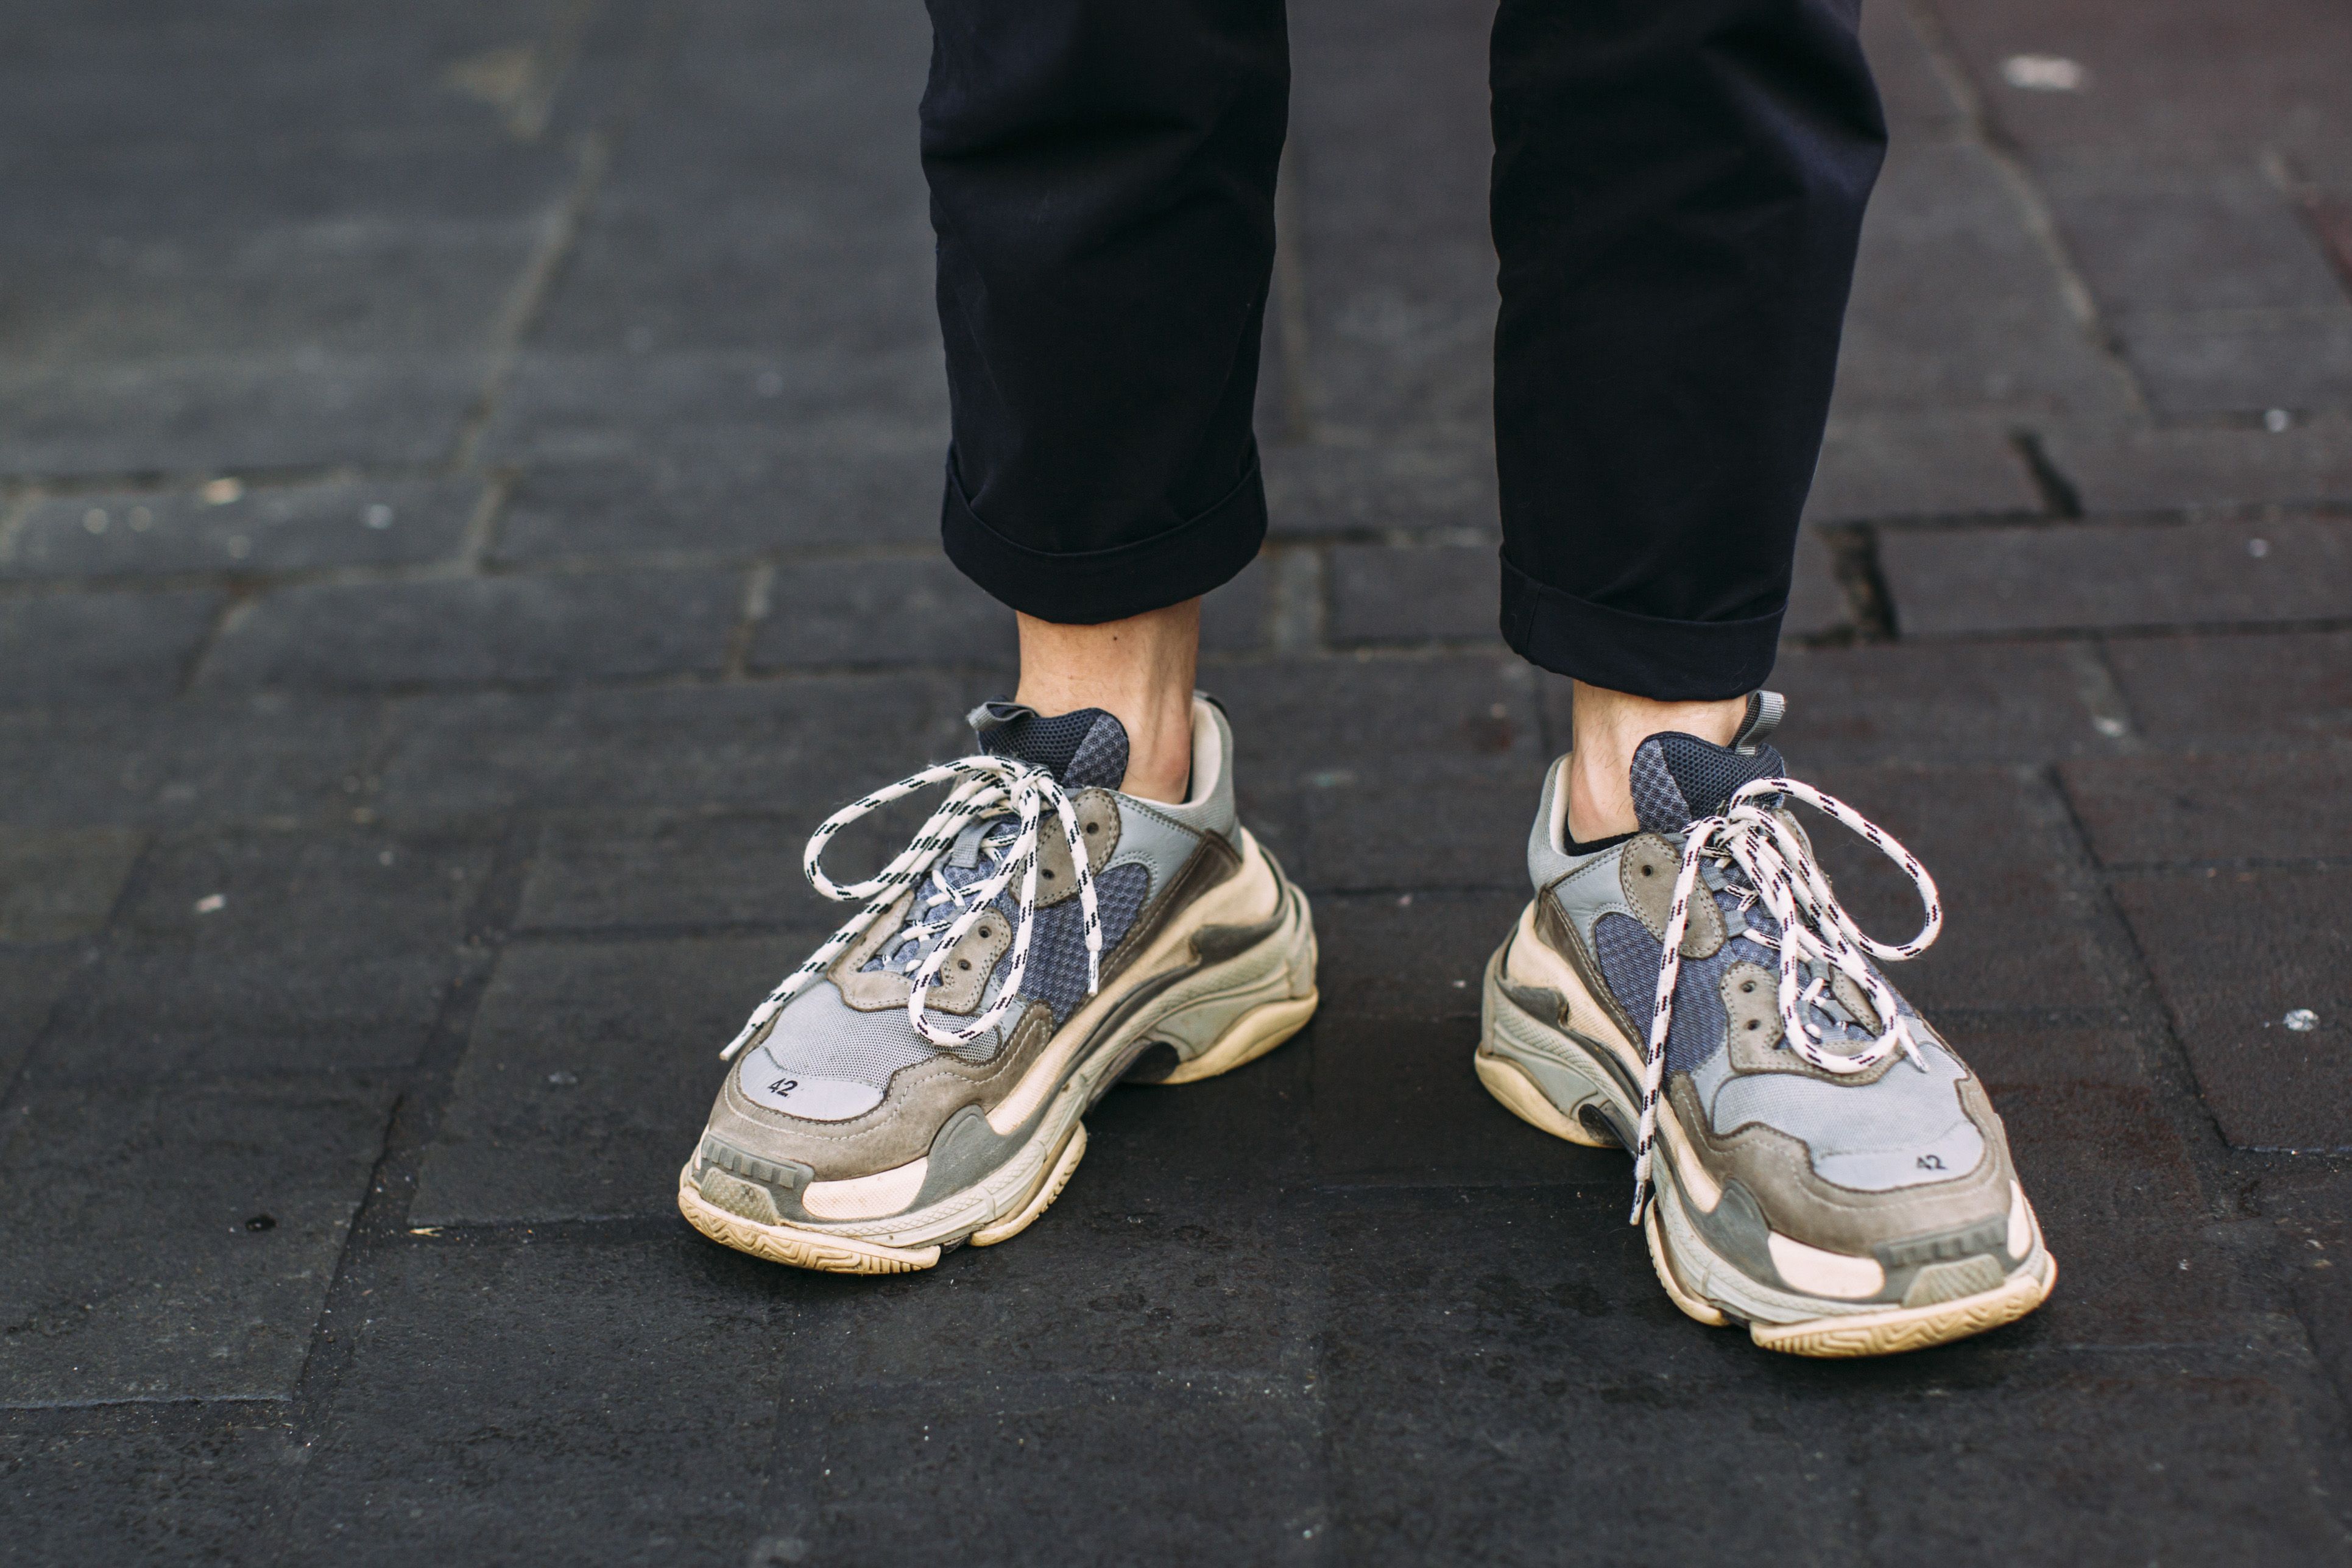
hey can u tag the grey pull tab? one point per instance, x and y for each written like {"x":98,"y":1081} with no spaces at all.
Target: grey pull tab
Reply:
{"x":1764,"y":711}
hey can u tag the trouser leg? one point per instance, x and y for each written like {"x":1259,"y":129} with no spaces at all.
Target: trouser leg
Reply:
{"x":1678,"y":187}
{"x":1102,"y":182}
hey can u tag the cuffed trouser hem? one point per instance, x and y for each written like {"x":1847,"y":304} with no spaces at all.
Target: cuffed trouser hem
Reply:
{"x":1090,"y":586}
{"x":1666,"y":661}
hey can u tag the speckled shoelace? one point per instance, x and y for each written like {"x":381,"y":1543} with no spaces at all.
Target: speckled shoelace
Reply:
{"x":985,"y":783}
{"x":1752,"y":835}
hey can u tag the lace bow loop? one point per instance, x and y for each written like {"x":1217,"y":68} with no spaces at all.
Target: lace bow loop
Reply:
{"x":985,"y":785}
{"x":1814,"y":928}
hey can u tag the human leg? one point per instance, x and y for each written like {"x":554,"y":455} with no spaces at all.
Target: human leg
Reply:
{"x":1085,"y":907}
{"x":1677,"y":192}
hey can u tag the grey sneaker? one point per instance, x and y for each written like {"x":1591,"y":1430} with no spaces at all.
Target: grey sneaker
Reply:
{"x":1826,"y":1169}
{"x":918,"y":1083}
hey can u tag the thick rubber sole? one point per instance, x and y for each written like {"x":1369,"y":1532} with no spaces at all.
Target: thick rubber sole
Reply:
{"x":1707,"y":1286}
{"x":1241,"y":1008}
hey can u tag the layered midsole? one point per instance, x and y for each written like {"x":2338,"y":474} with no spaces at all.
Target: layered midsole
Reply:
{"x":1187,"y":1004}
{"x":1579,"y":1076}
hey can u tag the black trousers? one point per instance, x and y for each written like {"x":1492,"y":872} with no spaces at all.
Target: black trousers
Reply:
{"x":1677,"y":189}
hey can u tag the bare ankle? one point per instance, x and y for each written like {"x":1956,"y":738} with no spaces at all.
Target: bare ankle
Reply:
{"x":1140,"y":670}
{"x":1608,"y":727}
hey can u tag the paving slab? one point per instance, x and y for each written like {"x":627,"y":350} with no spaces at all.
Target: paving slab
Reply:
{"x":2269,"y":804}
{"x":1919,"y":106}
{"x":876,"y":614}
{"x":272,"y":953}
{"x":2184,"y":76}
{"x":2163,"y":232}
{"x":619,"y":406}
{"x":2162,"y":471}
{"x":2234,"y":954}
{"x":2094,"y":576}
{"x":234,"y":411}
{"x":2021,"y":926}
{"x":745,"y":499}
{"x":801,"y":748}
{"x":209,"y":760}
{"x":1389,"y":123}
{"x":60,"y":886}
{"x":1320,"y":489}
{"x":2294,"y":360}
{"x":158,"y":1489}
{"x":696,"y":871}
{"x":1417,"y":954}
{"x":1956,"y":305}
{"x":1487,"y":1357}
{"x":589,"y":1071}
{"x":1873,"y":469}
{"x":288,"y":527}
{"x":201,"y":1280}
{"x":1818,"y":605}
{"x":1981,"y":703}
{"x":480,"y":630}
{"x":2245,"y":690}
{"x":30,"y":984}
{"x":74,"y":648}
{"x":1386,"y":593}
{"x":1346,"y":805}
{"x":509,"y":1401}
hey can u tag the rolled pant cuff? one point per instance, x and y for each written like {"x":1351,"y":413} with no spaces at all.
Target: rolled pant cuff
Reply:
{"x":1666,"y":661}
{"x":1090,"y":586}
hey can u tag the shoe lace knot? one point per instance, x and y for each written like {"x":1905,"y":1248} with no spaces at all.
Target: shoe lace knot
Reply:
{"x":985,"y":785}
{"x":1752,"y":840}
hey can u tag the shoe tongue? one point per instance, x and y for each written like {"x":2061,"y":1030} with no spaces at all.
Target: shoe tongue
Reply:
{"x":1085,"y":750}
{"x":1678,"y":778}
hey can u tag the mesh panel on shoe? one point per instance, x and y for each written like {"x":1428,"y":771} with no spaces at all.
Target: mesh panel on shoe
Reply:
{"x":1083,"y":750}
{"x":1056,"y":974}
{"x":1675,"y":778}
{"x":1628,"y":959}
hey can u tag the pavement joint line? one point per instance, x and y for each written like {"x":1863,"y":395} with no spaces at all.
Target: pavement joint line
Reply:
{"x":2032,"y":207}
{"x":759,"y":582}
{"x":481,"y":528}
{"x":2060,"y":497}
{"x":2171,"y":1072}
{"x":592,"y":160}
{"x":411,"y":1125}
{"x":2103,"y":695}
{"x":13,"y":513}
{"x":235,"y":610}
{"x":2183,"y":870}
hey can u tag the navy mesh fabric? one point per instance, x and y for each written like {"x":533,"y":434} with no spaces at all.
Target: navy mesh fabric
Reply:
{"x":1083,"y":750}
{"x":1677,"y":777}
{"x":1056,"y":974}
{"x":1628,"y":959}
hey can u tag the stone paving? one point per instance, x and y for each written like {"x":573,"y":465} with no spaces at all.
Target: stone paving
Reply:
{"x":455,"y":460}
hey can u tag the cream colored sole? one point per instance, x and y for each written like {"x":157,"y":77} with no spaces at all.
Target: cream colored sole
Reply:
{"x":1884,"y":1331}
{"x":1511,"y":1085}
{"x":1055,"y":1180}
{"x":1910,"y":1328}
{"x":1253,"y":1035}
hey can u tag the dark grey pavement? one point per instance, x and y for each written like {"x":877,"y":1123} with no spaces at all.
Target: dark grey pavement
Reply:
{"x":467,"y":491}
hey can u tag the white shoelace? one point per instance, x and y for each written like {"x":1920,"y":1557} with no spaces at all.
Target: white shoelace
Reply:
{"x":1813,"y":926}
{"x":988,"y":783}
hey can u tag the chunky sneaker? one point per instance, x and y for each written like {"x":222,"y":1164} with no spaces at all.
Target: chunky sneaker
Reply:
{"x":919,"y":1082}
{"x":1811,"y":1159}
